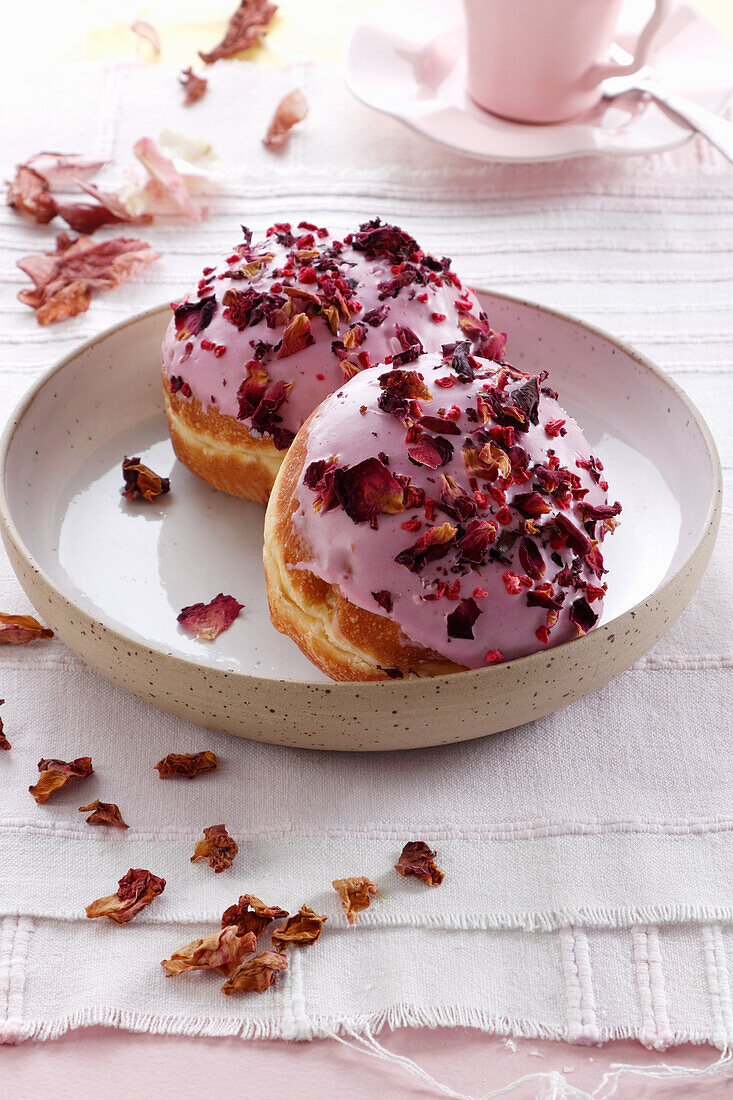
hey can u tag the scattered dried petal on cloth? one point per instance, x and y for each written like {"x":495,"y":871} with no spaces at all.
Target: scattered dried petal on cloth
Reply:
{"x":65,"y":278}
{"x":21,"y":629}
{"x":257,"y":974}
{"x":148,"y":33}
{"x":217,"y":847}
{"x":209,"y":620}
{"x":186,"y":764}
{"x":104,"y":813}
{"x":292,"y":108}
{"x":166,"y":182}
{"x":223,"y":951}
{"x":64,"y":170}
{"x":246,"y":28}
{"x":5,"y":744}
{"x":141,"y":482}
{"x":250,"y":914}
{"x":135,"y":891}
{"x":417,"y":859}
{"x":30,"y":194}
{"x":194,"y":86}
{"x":57,"y":773}
{"x":355,"y":893}
{"x":303,"y":928}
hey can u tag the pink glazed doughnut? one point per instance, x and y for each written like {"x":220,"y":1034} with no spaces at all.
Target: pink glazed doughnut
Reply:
{"x":436,"y":517}
{"x":279,"y":324}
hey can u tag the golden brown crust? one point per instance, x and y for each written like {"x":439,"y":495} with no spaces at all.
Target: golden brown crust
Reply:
{"x":220,"y":450}
{"x":343,"y":640}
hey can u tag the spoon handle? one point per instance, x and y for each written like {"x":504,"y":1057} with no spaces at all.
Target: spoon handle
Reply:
{"x":717,"y":130}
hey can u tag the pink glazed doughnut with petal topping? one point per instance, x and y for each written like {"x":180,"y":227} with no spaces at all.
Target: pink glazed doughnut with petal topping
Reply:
{"x":281,"y":323}
{"x":437,"y":517}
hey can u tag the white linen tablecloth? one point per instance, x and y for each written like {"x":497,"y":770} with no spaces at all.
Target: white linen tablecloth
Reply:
{"x":588,"y":890}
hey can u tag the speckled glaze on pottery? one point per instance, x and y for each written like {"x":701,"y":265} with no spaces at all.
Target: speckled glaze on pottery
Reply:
{"x":110,"y":577}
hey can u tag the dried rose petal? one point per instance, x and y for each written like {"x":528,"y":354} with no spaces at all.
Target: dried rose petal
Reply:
{"x":135,"y":891}
{"x":168,"y":180}
{"x":30,"y":194}
{"x":222,"y":951}
{"x":531,"y":558}
{"x":296,"y":336}
{"x":291,"y":109}
{"x":65,"y":278}
{"x":217,"y":847}
{"x":57,"y":773}
{"x":318,"y":476}
{"x":251,"y":915}
{"x":461,"y":619}
{"x":435,"y":543}
{"x":377,"y":239}
{"x":209,"y":620}
{"x":355,"y":893}
{"x":439,"y":425}
{"x":192,"y":318}
{"x":417,"y":859}
{"x":532,"y":505}
{"x":108,"y":210}
{"x":454,"y":500}
{"x":64,"y":170}
{"x":304,"y":928}
{"x":405,"y":383}
{"x":21,"y":629}
{"x":367,"y":490}
{"x":148,"y":33}
{"x":257,"y":974}
{"x":383,"y":598}
{"x":246,"y":27}
{"x":141,"y":482}
{"x":582,"y":615}
{"x":193,"y":85}
{"x":186,"y":765}
{"x":104,"y":813}
{"x":474,"y":544}
{"x":431,"y":451}
{"x":4,"y":743}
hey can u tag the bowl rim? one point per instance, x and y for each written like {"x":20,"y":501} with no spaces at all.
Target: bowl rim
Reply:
{"x":708,"y":529}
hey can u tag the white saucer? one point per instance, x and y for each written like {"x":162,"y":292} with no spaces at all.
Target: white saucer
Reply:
{"x":406,"y":58}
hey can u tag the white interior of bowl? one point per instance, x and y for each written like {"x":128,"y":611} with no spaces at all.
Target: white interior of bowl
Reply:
{"x":135,"y":566}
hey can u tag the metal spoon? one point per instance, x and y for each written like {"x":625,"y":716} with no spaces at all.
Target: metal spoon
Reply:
{"x":717,"y":130}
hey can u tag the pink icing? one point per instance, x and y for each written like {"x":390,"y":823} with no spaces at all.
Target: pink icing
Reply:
{"x":360,"y":558}
{"x":210,"y":364}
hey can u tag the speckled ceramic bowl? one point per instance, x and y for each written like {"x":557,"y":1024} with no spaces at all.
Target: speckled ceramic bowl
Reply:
{"x":110,"y":577}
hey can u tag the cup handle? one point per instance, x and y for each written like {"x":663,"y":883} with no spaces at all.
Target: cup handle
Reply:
{"x":603,"y":70}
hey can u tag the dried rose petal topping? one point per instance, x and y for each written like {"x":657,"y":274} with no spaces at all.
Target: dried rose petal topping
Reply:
{"x":30,"y":194}
{"x":217,"y":847}
{"x":222,"y":951}
{"x":257,"y":974}
{"x":304,"y":928}
{"x":186,"y":764}
{"x":4,"y":743}
{"x":454,"y":500}
{"x":474,"y":544}
{"x":367,"y":490}
{"x":194,"y":86}
{"x":193,"y":317}
{"x":582,"y":615}
{"x":21,"y":629}
{"x":296,"y":336}
{"x":65,"y":278}
{"x":435,"y":543}
{"x":531,"y":558}
{"x":140,"y":481}
{"x":251,"y":915}
{"x":532,"y":505}
{"x":383,"y":598}
{"x":147,"y":32}
{"x":291,"y":109}
{"x":405,"y":383}
{"x":460,"y":621}
{"x":209,"y":620}
{"x":355,"y":893}
{"x":57,"y":773}
{"x":431,"y":451}
{"x":417,"y":859}
{"x":246,"y":27}
{"x":135,"y":891}
{"x":103,"y":813}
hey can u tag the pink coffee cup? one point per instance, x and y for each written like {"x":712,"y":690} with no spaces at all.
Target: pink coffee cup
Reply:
{"x":544,"y":60}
